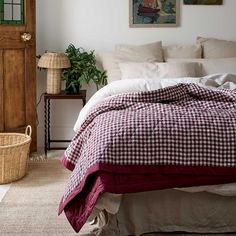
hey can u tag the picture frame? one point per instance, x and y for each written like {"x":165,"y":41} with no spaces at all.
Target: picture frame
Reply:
{"x":203,"y":2}
{"x":154,"y":13}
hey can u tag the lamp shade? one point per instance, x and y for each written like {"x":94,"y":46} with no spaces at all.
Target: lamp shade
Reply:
{"x":54,"y":60}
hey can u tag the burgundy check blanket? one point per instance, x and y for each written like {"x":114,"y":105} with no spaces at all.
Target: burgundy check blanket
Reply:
{"x":179,"y":136}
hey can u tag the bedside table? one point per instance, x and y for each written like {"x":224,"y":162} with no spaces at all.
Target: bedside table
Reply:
{"x":47,"y":103}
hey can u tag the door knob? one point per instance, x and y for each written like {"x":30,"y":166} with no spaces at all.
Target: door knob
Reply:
{"x":26,"y":37}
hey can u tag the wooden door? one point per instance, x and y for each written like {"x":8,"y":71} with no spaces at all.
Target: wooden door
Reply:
{"x":18,"y":67}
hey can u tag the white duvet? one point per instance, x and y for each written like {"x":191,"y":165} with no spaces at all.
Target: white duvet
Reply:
{"x":138,"y":85}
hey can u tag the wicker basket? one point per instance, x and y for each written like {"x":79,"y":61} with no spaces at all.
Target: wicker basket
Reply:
{"x":14,"y":152}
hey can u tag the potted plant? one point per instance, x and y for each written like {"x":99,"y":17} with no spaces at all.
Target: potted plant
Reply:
{"x":83,"y":70}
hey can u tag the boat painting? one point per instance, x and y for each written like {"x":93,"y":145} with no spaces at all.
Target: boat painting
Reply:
{"x":154,"y":13}
{"x":203,"y":2}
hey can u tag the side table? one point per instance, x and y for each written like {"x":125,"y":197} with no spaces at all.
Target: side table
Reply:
{"x":47,"y":99}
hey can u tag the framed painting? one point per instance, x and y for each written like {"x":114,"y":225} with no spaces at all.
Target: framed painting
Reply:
{"x":154,"y":13}
{"x":203,"y":2}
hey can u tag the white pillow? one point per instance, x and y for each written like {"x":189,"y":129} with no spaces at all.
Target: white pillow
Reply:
{"x":213,"y":66}
{"x":182,"y":51}
{"x":144,"y":53}
{"x":216,"y":48}
{"x":131,"y":70}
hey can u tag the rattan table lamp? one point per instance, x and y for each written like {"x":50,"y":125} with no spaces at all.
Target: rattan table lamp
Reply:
{"x":54,"y":62}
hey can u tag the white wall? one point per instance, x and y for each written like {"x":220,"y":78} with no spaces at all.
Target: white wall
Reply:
{"x":99,"y":24}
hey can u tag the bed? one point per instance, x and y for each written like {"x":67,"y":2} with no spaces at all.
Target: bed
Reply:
{"x":155,"y":153}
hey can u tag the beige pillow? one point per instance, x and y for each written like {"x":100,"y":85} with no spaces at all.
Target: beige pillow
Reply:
{"x":213,"y":66}
{"x":110,"y":65}
{"x":182,"y":51}
{"x":216,"y":48}
{"x":145,"y":70}
{"x":151,"y":52}
{"x":144,"y":53}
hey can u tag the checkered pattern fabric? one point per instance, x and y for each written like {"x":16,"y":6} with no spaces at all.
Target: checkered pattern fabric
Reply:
{"x":182,"y":125}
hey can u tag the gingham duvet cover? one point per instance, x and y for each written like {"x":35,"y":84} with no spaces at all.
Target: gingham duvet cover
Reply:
{"x":179,"y":136}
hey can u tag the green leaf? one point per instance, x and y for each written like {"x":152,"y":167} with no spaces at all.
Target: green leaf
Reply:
{"x":83,"y":69}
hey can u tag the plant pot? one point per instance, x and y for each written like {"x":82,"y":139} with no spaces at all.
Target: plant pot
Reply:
{"x":72,"y":88}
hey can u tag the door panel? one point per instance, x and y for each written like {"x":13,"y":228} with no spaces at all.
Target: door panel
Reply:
{"x":9,"y":40}
{"x":1,"y":93}
{"x":18,"y":68}
{"x":14,"y":88}
{"x":30,"y":94}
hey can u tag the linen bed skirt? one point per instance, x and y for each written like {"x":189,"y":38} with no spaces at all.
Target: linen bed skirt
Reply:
{"x":165,"y":211}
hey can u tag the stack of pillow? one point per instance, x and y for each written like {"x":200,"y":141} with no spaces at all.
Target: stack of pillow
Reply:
{"x":207,"y":56}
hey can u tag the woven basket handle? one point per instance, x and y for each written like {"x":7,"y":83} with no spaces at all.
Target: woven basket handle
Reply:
{"x":28,"y":130}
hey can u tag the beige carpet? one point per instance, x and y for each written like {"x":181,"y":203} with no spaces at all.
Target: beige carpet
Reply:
{"x":30,"y":206}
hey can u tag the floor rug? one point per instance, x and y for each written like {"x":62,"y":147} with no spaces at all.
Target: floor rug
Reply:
{"x":30,"y":206}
